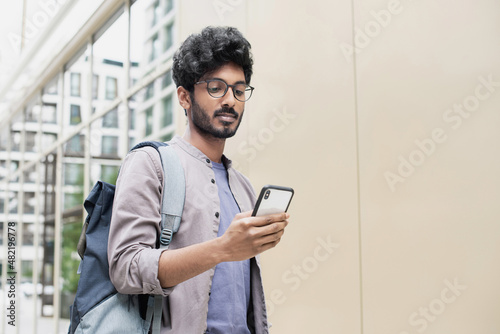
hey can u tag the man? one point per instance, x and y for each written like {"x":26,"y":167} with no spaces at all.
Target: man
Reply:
{"x":210,"y":275}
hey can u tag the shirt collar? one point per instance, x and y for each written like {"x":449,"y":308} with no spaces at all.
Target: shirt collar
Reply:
{"x":196,"y":153}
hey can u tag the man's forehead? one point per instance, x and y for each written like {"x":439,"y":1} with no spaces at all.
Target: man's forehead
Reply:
{"x":227,"y":71}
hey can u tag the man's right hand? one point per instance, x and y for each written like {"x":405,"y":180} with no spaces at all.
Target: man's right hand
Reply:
{"x":248,"y":236}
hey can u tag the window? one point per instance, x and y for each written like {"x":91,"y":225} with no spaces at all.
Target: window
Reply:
{"x":167,"y":111}
{"x":150,"y":91}
{"x":110,"y":120}
{"x":30,"y":175}
{"x":73,"y":174}
{"x":48,"y":139}
{"x":131,"y":142}
{"x":166,"y":80}
{"x":16,"y":141}
{"x":111,"y":88}
{"x":75,"y":114}
{"x":132,"y":119}
{"x":74,"y":146}
{"x":3,"y":173}
{"x":29,"y":202}
{"x":169,"y":37}
{"x":30,"y":144}
{"x":49,"y":114}
{"x":149,"y":121}
{"x":109,"y":145}
{"x":14,"y":165}
{"x":167,"y":137}
{"x":4,"y":139}
{"x":109,"y":173}
{"x":156,"y":13}
{"x":72,"y":200}
{"x":32,"y":114}
{"x":13,"y":202}
{"x":75,"y":84}
{"x":154,"y":46}
{"x":95,"y":86}
{"x":169,"y":6}
{"x":27,"y":265}
{"x":51,"y":88}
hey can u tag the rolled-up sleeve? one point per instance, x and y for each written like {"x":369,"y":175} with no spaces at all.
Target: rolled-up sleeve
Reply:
{"x":135,"y":224}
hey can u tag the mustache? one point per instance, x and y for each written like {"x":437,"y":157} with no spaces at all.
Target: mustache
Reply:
{"x":229,"y":111}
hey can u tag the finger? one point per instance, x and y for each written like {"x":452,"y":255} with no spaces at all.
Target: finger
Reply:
{"x":273,"y":229}
{"x":269,"y":219}
{"x":268,"y":231}
{"x":243,"y":215}
{"x":271,"y":244}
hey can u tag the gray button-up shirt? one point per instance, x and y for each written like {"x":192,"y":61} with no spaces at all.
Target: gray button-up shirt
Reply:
{"x":133,"y":258}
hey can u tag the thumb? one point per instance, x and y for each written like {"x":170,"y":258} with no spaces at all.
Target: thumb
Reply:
{"x":243,"y":215}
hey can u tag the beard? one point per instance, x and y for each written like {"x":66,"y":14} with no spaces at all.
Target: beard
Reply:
{"x":203,"y":122}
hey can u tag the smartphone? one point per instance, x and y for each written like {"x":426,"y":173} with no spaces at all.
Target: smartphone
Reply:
{"x":273,"y":199}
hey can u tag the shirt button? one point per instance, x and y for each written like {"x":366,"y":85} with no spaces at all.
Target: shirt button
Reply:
{"x":213,"y":181}
{"x":216,"y":215}
{"x":208,"y":161}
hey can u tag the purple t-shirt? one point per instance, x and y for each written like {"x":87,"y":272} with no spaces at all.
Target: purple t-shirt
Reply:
{"x":230,"y":293}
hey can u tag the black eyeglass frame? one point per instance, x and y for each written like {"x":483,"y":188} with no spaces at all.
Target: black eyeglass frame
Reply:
{"x":248,"y":88}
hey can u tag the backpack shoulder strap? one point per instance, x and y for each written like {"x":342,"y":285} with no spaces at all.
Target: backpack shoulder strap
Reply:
{"x":152,"y":143}
{"x":174,"y":194}
{"x":172,"y":205}
{"x":174,"y":190}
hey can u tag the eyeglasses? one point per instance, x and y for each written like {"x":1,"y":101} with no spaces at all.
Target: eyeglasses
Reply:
{"x":218,"y":88}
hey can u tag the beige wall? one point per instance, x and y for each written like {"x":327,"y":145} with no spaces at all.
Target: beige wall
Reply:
{"x":396,"y":193}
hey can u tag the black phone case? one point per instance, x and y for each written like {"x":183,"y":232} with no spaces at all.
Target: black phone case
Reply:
{"x":262,"y":193}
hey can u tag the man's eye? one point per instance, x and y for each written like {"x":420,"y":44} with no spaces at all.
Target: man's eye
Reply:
{"x":239,"y":92}
{"x":214,"y":89}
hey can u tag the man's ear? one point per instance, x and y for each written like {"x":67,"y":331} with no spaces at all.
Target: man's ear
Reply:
{"x":184,"y":98}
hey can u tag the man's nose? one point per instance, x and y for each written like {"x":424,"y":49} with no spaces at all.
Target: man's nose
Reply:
{"x":228,"y":99}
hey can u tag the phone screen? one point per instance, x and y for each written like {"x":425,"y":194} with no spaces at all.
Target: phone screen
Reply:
{"x":273,"y":199}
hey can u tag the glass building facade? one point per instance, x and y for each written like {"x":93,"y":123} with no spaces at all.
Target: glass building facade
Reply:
{"x":110,"y":89}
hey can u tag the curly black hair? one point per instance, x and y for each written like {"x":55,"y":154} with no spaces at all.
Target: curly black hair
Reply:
{"x":209,"y":50}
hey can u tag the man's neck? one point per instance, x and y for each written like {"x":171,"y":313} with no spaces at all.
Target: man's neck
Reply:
{"x":212,"y":147}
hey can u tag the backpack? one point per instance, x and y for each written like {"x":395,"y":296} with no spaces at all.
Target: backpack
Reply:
{"x":98,"y":307}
